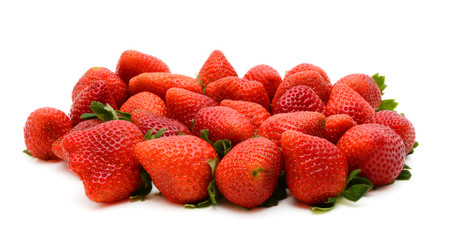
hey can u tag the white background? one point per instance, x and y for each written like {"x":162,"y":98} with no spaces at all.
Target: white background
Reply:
{"x":46,"y":46}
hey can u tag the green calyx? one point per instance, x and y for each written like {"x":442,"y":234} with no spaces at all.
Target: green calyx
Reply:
{"x":222,"y":146}
{"x":146,"y":187}
{"x":150,"y":135}
{"x":279,"y":193}
{"x":105,"y":113}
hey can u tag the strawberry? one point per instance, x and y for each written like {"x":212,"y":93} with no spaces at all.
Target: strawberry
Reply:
{"x":345,"y":100}
{"x":375,"y":149}
{"x":336,"y":126}
{"x":266,"y":75}
{"x":298,"y":98}
{"x":235,"y":88}
{"x":159,"y":83}
{"x":310,"y":79}
{"x":147,"y":121}
{"x":132,"y":63}
{"x":145,"y":101}
{"x":223,"y":123}
{"x":215,"y":68}
{"x":102,"y":156}
{"x":316,"y":169}
{"x":43,"y":127}
{"x":116,"y":85}
{"x":183,"y":105}
{"x":178,"y":166}
{"x":252,"y":111}
{"x":397,"y":122}
{"x":365,"y":86}
{"x":303,"y":67}
{"x":312,"y":123}
{"x":97,"y":91}
{"x":248,"y":174}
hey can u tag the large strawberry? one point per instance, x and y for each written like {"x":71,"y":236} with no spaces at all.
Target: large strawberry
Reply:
{"x":146,"y":101}
{"x":298,"y":98}
{"x":365,"y":86}
{"x":147,"y":121}
{"x":253,"y":111}
{"x":248,"y":174}
{"x":266,"y":75}
{"x":303,"y":67}
{"x":336,"y":126}
{"x":178,"y":166}
{"x":43,"y":127}
{"x":215,"y":68}
{"x":132,"y":63}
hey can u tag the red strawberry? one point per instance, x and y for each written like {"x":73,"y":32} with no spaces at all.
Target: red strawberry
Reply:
{"x":223,"y":123}
{"x":102,"y":156}
{"x":399,"y":123}
{"x":146,"y":121}
{"x":375,"y":149}
{"x":315,"y":168}
{"x":298,"y":98}
{"x":183,"y":105}
{"x":98,"y":91}
{"x":337,"y":125}
{"x":345,"y":100}
{"x":307,"y":67}
{"x":146,"y":101}
{"x":312,"y":123}
{"x":252,"y":111}
{"x":43,"y":127}
{"x":310,"y":79}
{"x":248,"y":174}
{"x":215,"y":68}
{"x":159,"y":83}
{"x":266,"y":75}
{"x":235,"y":88}
{"x":365,"y":86}
{"x":178,"y":166}
{"x":132,"y":63}
{"x":116,"y":85}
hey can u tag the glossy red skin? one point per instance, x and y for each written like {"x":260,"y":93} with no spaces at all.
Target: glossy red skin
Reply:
{"x":266,"y":75}
{"x":248,"y":174}
{"x":178,"y":166}
{"x":43,"y":127}
{"x":145,"y":101}
{"x":215,"y":68}
{"x":375,"y":149}
{"x":252,"y":111}
{"x":299,"y":98}
{"x":399,"y":123}
{"x":102,"y":156}
{"x":315,"y":168}
{"x":132,"y":63}
{"x":336,"y":126}
{"x":365,"y":86}
{"x":303,"y":67}
{"x":146,"y":121}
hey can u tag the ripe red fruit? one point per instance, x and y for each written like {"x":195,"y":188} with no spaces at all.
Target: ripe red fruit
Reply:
{"x":303,"y":67}
{"x":298,"y":98}
{"x":315,"y":168}
{"x":178,"y":166}
{"x":145,"y":101}
{"x":102,"y":156}
{"x":312,"y":123}
{"x":183,"y":105}
{"x":43,"y":127}
{"x":252,"y":111}
{"x":132,"y":63}
{"x":268,"y":76}
{"x":223,"y":123}
{"x":336,"y":126}
{"x":375,"y":149}
{"x":215,"y":68}
{"x":159,"y":83}
{"x":399,"y":123}
{"x":146,"y":121}
{"x":365,"y":86}
{"x":116,"y":85}
{"x":248,"y":174}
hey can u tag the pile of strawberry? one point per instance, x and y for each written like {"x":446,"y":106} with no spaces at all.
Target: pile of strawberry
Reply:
{"x":247,"y":140}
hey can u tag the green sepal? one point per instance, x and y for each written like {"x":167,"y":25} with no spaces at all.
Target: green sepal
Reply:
{"x":87,"y":116}
{"x":356,"y":186}
{"x":192,"y":124}
{"x":380,"y":81}
{"x":204,"y":134}
{"x":213,"y":193}
{"x":279,"y":193}
{"x":326,"y":206}
{"x":146,"y":187}
{"x":105,"y":113}
{"x":27,"y":152}
{"x":158,"y":134}
{"x":416,"y":144}
{"x":124,"y":115}
{"x":201,"y":84}
{"x":222,"y":147}
{"x":378,"y":187}
{"x":181,"y":133}
{"x":404,"y":175}
{"x":406,"y":167}
{"x":388,"y":104}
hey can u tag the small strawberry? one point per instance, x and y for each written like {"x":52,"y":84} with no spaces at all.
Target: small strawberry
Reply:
{"x":146,"y":101}
{"x":223,"y":123}
{"x":399,"y":123}
{"x":132,"y":63}
{"x":159,"y":83}
{"x":215,"y":68}
{"x":266,"y":75}
{"x":235,"y":88}
{"x":248,"y":174}
{"x":375,"y":149}
{"x":365,"y":86}
{"x":252,"y":111}
{"x":298,"y":98}
{"x":312,"y":123}
{"x":147,"y":121}
{"x":307,"y":67}
{"x":43,"y":127}
{"x":116,"y":85}
{"x":183,"y":105}
{"x":336,"y":126}
{"x":178,"y":166}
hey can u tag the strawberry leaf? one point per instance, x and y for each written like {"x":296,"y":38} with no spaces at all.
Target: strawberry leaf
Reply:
{"x":279,"y":193}
{"x":404,"y":175}
{"x":416,"y":144}
{"x":146,"y":187}
{"x":87,"y":116}
{"x":380,"y":82}
{"x":326,"y":206}
{"x":149,"y":135}
{"x":222,"y":147}
{"x":181,"y":133}
{"x":204,"y":134}
{"x":388,"y":104}
{"x":27,"y":152}
{"x":356,"y":186}
{"x":124,"y":115}
{"x":105,"y":113}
